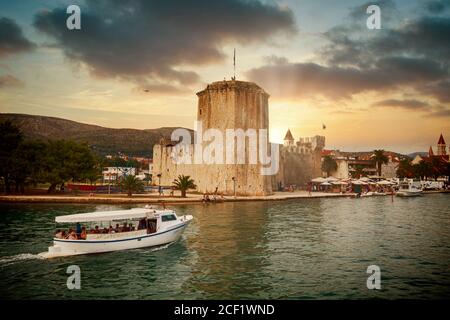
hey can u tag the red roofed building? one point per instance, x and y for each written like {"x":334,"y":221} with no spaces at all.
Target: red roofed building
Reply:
{"x":441,"y":150}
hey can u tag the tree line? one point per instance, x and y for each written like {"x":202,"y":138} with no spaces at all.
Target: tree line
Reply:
{"x":26,"y":162}
{"x":433,"y":167}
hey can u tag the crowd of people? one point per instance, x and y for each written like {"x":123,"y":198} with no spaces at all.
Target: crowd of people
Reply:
{"x":215,"y":197}
{"x":80,"y":232}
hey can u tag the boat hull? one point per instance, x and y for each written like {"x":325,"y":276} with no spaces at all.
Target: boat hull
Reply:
{"x":63,"y":248}
{"x":409,"y":194}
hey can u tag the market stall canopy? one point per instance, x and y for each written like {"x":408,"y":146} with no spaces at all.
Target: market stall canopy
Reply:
{"x":325,"y":184}
{"x":135,"y":213}
{"x":384,"y":183}
{"x":339,"y":182}
{"x":331,"y":179}
{"x":319,"y":180}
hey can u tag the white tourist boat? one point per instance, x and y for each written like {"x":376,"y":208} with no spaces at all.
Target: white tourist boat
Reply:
{"x":145,"y":227}
{"x":408,"y":189}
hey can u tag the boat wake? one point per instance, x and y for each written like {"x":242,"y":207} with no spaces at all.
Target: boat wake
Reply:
{"x":6,"y":261}
{"x":161,"y":247}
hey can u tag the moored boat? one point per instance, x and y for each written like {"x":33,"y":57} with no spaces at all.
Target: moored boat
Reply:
{"x":141,"y":227}
{"x":408,"y":189}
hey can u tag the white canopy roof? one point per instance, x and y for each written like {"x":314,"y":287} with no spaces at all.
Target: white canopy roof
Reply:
{"x":339,"y":182}
{"x":330,"y":179}
{"x":384,"y":182}
{"x":319,"y":180}
{"x":135,"y":213}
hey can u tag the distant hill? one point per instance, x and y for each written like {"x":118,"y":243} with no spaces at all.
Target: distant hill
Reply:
{"x":104,"y":141}
{"x":366,"y":155}
{"x":414,"y":154}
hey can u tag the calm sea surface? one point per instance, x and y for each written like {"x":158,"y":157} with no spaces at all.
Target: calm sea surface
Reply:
{"x":299,"y":249}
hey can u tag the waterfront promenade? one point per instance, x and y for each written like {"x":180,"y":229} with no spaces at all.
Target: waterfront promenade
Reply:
{"x":153,"y":198}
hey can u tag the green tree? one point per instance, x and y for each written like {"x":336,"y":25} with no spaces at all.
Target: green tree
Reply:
{"x":405,"y":169}
{"x":438,"y":167}
{"x":422,"y":170}
{"x":184,"y":183}
{"x":10,"y":139}
{"x":379,"y":158}
{"x":329,"y":165}
{"x":359,"y":171}
{"x":131,"y":184}
{"x":27,"y":167}
{"x":68,"y":161}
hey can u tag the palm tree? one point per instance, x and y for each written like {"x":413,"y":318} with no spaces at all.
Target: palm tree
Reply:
{"x":379,"y":158}
{"x":184,"y":183}
{"x":131,"y":184}
{"x":329,"y":165}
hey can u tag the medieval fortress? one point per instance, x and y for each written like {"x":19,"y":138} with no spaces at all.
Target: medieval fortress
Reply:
{"x":234,"y":114}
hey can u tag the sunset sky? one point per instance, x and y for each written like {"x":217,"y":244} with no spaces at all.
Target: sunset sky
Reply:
{"x":138,"y":64}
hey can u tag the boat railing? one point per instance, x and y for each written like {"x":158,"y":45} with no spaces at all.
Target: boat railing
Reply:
{"x":117,"y":235}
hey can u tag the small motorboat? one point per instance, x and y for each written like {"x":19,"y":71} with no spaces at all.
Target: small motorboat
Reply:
{"x":408,"y":189}
{"x":135,"y":228}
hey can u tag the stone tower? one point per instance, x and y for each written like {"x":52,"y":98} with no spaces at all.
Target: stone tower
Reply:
{"x":235,"y":105}
{"x":289,"y":139}
{"x":441,"y":146}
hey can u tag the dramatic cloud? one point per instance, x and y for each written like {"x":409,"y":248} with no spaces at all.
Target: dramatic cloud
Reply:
{"x":310,"y":79}
{"x":157,"y":41}
{"x":414,"y":54}
{"x":12,"y":39}
{"x":9,"y":81}
{"x":440,"y":113}
{"x":440,"y":90}
{"x":410,"y":104}
{"x":437,"y":6}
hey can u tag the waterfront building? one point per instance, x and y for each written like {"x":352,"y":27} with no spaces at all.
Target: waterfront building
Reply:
{"x":111,"y":174}
{"x":441,"y":152}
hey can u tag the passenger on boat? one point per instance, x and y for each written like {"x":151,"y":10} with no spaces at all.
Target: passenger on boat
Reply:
{"x":111,"y":230}
{"x":78,"y":229}
{"x":105,"y":230}
{"x":72,"y":235}
{"x":83,"y":234}
{"x":118,"y":228}
{"x":59,"y":234}
{"x":125,"y":227}
{"x":95,"y":230}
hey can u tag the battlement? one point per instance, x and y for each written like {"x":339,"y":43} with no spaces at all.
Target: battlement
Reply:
{"x":232,"y":85}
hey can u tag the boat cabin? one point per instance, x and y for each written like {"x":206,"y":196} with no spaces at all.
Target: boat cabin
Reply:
{"x":113,"y":224}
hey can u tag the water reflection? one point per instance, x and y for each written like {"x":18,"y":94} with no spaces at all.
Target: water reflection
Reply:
{"x":299,"y":249}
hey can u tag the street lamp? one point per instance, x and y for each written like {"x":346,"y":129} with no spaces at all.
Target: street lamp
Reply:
{"x":234,"y":185}
{"x":159,"y":188}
